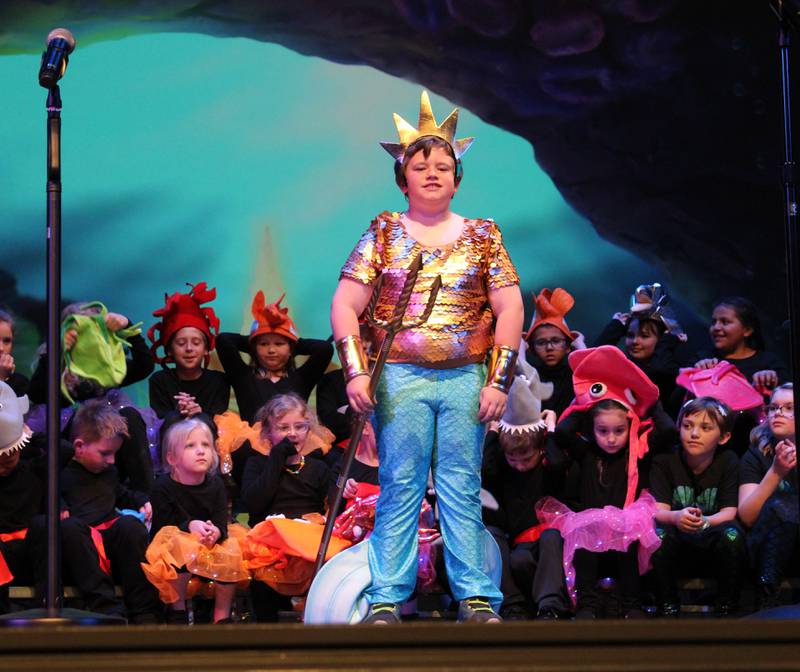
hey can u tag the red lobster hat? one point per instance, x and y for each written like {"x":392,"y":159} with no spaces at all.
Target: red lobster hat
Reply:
{"x":272,"y":319}
{"x":184,"y":310}
{"x":550,"y":307}
{"x":605,"y":373}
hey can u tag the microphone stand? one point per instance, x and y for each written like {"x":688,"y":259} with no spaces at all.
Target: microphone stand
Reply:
{"x":789,"y":20}
{"x":53,"y":614}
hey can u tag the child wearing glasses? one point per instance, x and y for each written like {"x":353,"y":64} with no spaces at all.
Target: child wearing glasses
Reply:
{"x":549,"y":341}
{"x":284,"y":482}
{"x":768,"y":495}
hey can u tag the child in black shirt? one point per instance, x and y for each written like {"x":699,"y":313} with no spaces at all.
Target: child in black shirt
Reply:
{"x":285,"y":482}
{"x":187,"y":332}
{"x":190,"y":524}
{"x":768,"y":495}
{"x":517,"y":473}
{"x":696,"y":494}
{"x":609,"y":432}
{"x":99,"y":544}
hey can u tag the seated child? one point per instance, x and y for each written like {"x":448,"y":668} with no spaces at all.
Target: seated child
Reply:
{"x":549,"y":341}
{"x":272,"y":344}
{"x":190,"y":524}
{"x":653,"y":339}
{"x":187,"y":334}
{"x":768,"y":495}
{"x":8,"y":367}
{"x":609,"y":431}
{"x":736,"y":337}
{"x":99,"y":544}
{"x":23,"y":472}
{"x":96,"y":368}
{"x":284,"y":482}
{"x":363,"y":471}
{"x":515,"y":471}
{"x":696,"y":493}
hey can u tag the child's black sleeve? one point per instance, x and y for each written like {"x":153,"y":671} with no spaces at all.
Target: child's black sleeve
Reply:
{"x":664,"y":435}
{"x":140,"y":364}
{"x":161,"y":397}
{"x":165,"y":510}
{"x":319,"y":355}
{"x":220,"y":508}
{"x":130,"y":499}
{"x":261,"y":480}
{"x":729,"y":484}
{"x":568,"y":436}
{"x":611,"y":333}
{"x":555,"y":458}
{"x":660,"y":481}
{"x":228,"y":348}
{"x":331,"y":396}
{"x":37,"y":388}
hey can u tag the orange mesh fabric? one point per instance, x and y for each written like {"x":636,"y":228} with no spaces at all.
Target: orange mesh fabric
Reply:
{"x":171,"y":550}
{"x":281,"y":552}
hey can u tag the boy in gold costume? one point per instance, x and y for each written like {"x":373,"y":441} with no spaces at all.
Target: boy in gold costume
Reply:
{"x":435,"y":390}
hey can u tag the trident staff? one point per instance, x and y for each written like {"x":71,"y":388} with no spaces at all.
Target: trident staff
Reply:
{"x":391,"y":327}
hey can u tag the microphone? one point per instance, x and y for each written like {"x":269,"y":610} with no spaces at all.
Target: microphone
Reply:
{"x":60,"y":44}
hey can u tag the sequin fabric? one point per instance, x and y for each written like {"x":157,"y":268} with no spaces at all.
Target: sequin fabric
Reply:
{"x":459,"y":330}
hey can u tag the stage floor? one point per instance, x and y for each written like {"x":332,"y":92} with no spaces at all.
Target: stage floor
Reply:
{"x":689,"y":645}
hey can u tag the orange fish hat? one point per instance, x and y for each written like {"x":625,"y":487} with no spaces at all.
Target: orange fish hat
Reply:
{"x":184,"y":310}
{"x":272,"y":319}
{"x":550,"y":307}
{"x":605,"y":373}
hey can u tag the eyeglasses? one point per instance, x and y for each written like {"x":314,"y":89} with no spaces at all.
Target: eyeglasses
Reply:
{"x":555,"y":343}
{"x":787,"y":410}
{"x":299,"y":428}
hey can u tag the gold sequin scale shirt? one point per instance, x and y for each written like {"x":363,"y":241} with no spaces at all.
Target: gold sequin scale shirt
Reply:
{"x":459,"y":330}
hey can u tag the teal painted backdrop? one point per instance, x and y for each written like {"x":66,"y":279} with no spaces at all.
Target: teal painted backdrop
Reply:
{"x":244,"y":164}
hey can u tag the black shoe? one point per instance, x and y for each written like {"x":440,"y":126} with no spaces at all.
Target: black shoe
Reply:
{"x":177,"y":617}
{"x":477,"y":610}
{"x":551,"y":614}
{"x":382,"y":613}
{"x":514,"y":612}
{"x":767,"y":597}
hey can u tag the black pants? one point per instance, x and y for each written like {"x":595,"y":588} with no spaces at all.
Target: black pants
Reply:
{"x":125,"y":544}
{"x":773,"y":552}
{"x":27,"y":561}
{"x":722,"y":548}
{"x":538,"y":569}
{"x":624,"y":567}
{"x":267,"y":602}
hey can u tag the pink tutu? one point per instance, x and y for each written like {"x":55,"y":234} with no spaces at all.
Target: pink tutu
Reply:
{"x":601,"y":530}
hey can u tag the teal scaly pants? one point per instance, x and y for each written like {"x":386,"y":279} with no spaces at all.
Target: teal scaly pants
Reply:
{"x":428,"y":419}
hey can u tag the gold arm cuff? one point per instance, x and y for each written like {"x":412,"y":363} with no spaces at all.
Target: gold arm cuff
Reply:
{"x":352,"y":357}
{"x":502,"y":361}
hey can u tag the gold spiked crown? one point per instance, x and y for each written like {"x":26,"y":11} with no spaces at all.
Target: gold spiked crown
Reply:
{"x":426,"y":126}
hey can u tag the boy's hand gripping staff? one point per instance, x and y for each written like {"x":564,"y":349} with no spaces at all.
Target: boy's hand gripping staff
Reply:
{"x":391,"y":327}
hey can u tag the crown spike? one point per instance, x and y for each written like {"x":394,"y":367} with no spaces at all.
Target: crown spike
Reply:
{"x":426,"y":126}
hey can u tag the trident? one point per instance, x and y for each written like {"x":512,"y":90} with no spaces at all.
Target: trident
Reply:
{"x":392,"y":327}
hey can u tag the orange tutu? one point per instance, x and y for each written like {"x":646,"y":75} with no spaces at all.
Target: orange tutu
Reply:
{"x":281,"y":552}
{"x":172,"y":549}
